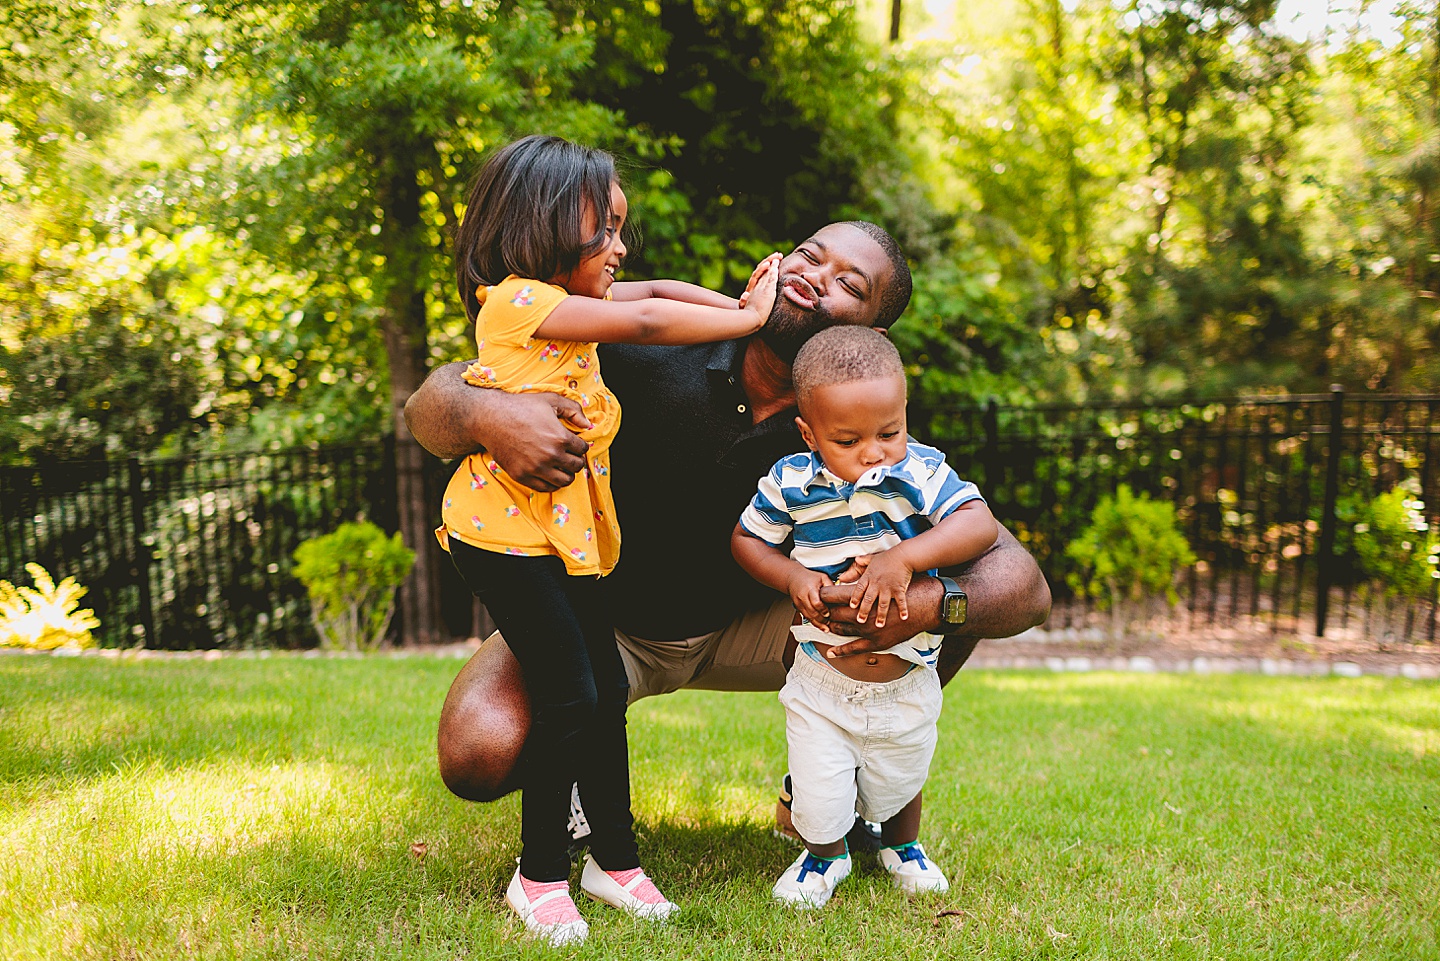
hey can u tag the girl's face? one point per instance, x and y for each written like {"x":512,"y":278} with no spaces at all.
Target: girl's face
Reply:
{"x":593,"y":276}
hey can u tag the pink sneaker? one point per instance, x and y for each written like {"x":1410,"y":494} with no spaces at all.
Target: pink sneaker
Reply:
{"x":630,"y":891}
{"x":547,"y":910}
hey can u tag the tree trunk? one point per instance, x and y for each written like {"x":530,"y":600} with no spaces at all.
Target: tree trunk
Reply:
{"x":406,"y":349}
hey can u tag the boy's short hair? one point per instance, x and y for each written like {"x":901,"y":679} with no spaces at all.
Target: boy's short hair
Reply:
{"x":525,"y":214}
{"x":842,"y":355}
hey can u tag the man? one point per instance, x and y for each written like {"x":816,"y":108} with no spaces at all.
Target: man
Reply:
{"x":702,"y":424}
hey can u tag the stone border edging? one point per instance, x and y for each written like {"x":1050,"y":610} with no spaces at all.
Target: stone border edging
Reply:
{"x":1140,"y":664}
{"x":1133,"y":664}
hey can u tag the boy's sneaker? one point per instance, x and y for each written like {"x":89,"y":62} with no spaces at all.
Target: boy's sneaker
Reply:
{"x":550,"y":915}
{"x":912,"y":871}
{"x":809,"y":881}
{"x":637,"y":895}
{"x":863,"y":835}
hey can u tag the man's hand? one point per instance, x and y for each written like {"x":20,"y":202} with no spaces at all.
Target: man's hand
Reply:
{"x":1007,"y":595}
{"x":923,"y":596}
{"x":804,"y":587}
{"x":878,"y":578}
{"x":530,"y":441}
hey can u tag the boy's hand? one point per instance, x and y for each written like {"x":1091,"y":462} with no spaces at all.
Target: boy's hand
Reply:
{"x":804,"y":589}
{"x":757,"y":275}
{"x":882,"y":578}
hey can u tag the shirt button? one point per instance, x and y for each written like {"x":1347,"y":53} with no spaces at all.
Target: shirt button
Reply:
{"x":740,"y":408}
{"x":574,"y":384}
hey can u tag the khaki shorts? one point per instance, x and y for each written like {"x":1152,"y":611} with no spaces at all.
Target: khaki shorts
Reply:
{"x":856,"y":746}
{"x":747,"y":655}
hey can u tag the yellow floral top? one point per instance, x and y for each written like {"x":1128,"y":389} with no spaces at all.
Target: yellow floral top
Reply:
{"x":488,"y":509}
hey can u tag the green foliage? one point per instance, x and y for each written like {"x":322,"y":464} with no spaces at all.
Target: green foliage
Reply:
{"x":47,"y":616}
{"x":351,"y":576}
{"x":1394,"y":543}
{"x":1098,"y":200}
{"x":1131,"y":550}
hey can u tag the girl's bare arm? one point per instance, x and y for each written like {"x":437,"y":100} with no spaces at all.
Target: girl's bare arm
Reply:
{"x":656,"y":320}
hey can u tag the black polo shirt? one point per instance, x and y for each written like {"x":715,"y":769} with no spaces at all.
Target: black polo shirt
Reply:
{"x":686,"y":462}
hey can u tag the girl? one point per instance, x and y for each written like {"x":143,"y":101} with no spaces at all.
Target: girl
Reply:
{"x":536,"y":259}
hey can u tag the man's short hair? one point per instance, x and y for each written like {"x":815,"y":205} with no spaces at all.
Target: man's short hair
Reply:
{"x":842,"y":355}
{"x":895,"y":296}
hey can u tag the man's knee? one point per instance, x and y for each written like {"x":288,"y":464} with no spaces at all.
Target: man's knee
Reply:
{"x":483,"y":725}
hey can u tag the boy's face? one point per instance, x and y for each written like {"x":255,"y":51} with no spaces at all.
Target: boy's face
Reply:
{"x":593,"y":276}
{"x":856,"y":426}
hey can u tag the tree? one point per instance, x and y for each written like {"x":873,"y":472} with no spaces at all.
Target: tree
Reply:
{"x":365,"y":117}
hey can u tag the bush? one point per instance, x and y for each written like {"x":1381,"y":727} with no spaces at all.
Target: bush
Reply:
{"x":1130,"y":552}
{"x":1394,"y":543}
{"x":351,"y":576}
{"x":47,"y":616}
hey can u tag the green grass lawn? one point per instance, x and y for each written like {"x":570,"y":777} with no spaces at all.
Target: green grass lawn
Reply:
{"x":289,"y":808}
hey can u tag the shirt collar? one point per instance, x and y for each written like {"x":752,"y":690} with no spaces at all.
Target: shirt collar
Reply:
{"x":726,"y":358}
{"x":871,"y":478}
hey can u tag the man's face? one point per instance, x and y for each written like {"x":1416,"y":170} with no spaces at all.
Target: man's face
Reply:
{"x":835,"y":277}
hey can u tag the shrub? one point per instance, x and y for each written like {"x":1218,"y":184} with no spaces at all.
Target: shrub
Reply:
{"x":351,"y":575}
{"x":1129,"y":553}
{"x":47,"y":616}
{"x":1394,"y":543}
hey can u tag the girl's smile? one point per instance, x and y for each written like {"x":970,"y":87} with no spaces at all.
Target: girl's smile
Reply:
{"x":593,"y":276}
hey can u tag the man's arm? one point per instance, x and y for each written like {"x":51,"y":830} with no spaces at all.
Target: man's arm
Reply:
{"x":525,"y":433}
{"x":1007,"y":595}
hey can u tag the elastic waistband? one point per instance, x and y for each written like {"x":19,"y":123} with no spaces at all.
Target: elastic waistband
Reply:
{"x":826,"y":678}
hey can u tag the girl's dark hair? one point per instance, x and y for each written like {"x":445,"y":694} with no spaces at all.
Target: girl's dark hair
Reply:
{"x":525,"y":214}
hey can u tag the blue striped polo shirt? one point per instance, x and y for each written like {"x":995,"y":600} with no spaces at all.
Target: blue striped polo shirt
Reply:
{"x":833,"y":521}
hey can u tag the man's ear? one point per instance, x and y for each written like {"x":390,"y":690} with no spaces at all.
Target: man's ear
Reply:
{"x":881,"y":330}
{"x":805,"y":433}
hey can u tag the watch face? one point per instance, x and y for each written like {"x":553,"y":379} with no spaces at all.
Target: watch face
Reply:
{"x":955,"y":607}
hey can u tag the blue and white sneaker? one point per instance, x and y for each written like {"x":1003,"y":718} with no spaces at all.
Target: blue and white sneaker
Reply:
{"x":809,"y":881}
{"x":912,"y":870}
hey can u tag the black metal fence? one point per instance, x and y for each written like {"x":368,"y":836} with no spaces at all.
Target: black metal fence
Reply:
{"x":192,"y":552}
{"x":1261,"y":489}
{"x":196,"y":552}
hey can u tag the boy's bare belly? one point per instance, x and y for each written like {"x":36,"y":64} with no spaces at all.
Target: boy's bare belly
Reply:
{"x":869,"y":666}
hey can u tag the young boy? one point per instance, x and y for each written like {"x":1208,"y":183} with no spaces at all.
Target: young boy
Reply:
{"x":865,"y":506}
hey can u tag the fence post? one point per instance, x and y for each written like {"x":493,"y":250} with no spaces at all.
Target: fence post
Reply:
{"x":140,"y":570}
{"x":1325,"y":559}
{"x":990,"y":453}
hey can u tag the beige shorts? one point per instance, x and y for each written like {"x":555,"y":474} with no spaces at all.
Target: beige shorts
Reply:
{"x":746,"y":655}
{"x":855,"y":746}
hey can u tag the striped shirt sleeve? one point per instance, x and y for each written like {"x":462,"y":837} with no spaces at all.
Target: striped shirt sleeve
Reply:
{"x":767,"y":517}
{"x":944,"y":491}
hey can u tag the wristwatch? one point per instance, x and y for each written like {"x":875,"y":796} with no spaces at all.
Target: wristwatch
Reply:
{"x":953,"y":607}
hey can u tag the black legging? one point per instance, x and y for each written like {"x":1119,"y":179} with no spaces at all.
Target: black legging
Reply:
{"x":560,"y":632}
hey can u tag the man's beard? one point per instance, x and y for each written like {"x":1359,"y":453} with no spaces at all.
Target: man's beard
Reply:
{"x":789,"y":327}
